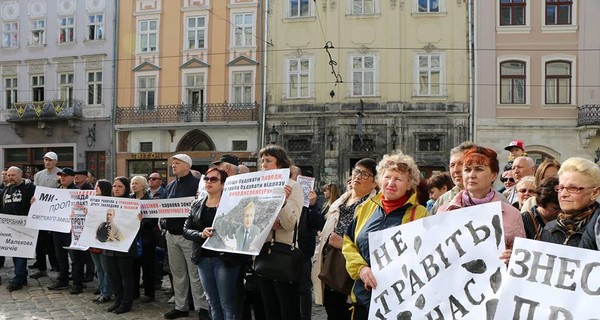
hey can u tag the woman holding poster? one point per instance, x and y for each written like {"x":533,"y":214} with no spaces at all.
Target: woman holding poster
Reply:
{"x":219,"y":278}
{"x":103,"y":188}
{"x":398,"y":176}
{"x":282,"y":300}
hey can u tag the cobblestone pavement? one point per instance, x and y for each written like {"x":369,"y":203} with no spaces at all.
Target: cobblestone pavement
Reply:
{"x":35,"y":301}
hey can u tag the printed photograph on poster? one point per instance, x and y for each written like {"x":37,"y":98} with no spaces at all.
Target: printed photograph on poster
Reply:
{"x":307,"y":184}
{"x":111,"y":223}
{"x":51,"y":208}
{"x":166,"y":208}
{"x":78,"y":216}
{"x":16,"y":240}
{"x":247,"y":210}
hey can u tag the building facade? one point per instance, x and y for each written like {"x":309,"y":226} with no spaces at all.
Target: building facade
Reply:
{"x":56,"y":65}
{"x":354,"y":79}
{"x":189,"y":75}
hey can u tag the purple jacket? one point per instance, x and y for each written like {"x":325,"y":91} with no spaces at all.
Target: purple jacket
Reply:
{"x":511,"y":217}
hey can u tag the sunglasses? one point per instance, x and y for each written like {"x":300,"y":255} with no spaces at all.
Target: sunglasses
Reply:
{"x":153,"y":178}
{"x":211,"y":179}
{"x":505,"y":179}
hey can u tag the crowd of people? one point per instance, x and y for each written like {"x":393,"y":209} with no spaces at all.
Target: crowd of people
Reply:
{"x":553,"y":202}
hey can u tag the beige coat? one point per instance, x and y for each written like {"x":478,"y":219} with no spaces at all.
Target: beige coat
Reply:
{"x":289,"y":215}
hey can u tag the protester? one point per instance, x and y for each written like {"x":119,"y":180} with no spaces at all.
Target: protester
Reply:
{"x":218,"y":273}
{"x":331,"y":192}
{"x":548,"y":168}
{"x":81,"y":180}
{"x":438,"y":184}
{"x":338,"y":218}
{"x":521,"y":167}
{"x":396,"y":204}
{"x":456,"y":165}
{"x":156,"y":190}
{"x":103,"y":188}
{"x":281,"y":300}
{"x":545,"y":210}
{"x":229,"y":164}
{"x":526,"y":188}
{"x":507,"y":180}
{"x":578,"y":189}
{"x":16,"y":200}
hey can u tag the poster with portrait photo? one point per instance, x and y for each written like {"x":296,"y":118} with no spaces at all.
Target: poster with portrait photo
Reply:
{"x":307,"y":184}
{"x":111,"y":223}
{"x":248,"y":208}
{"x":78,"y":215}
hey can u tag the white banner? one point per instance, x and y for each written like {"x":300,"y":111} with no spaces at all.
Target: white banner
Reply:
{"x":440,"y":267}
{"x":51,"y":209}
{"x":111,"y":223}
{"x":16,"y":240}
{"x":78,"y":216}
{"x":166,"y":208}
{"x":550,"y":281}
{"x":307,"y":184}
{"x":247,"y":210}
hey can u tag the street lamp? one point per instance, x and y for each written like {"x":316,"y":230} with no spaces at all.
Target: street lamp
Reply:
{"x":330,"y":139}
{"x":597,"y":156}
{"x":394,"y":138}
{"x":91,"y":137}
{"x":273,"y":134}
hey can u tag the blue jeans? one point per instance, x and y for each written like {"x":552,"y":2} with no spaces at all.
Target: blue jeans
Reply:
{"x":20,"y":271}
{"x":219,"y":282}
{"x":102,"y":272}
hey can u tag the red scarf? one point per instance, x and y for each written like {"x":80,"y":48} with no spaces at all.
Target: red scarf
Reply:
{"x":391,"y":205}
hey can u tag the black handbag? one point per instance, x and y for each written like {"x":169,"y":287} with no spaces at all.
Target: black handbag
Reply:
{"x":279,"y":261}
{"x":333,"y":272}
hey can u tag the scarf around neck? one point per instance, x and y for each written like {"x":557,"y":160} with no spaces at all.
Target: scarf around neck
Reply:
{"x":468,"y":201}
{"x":573,"y":222}
{"x":391,"y":205}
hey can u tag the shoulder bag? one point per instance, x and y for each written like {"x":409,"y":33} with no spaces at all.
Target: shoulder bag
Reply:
{"x":333,"y":271}
{"x":280,"y":262}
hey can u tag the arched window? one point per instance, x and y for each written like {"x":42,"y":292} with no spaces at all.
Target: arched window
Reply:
{"x":196,"y":140}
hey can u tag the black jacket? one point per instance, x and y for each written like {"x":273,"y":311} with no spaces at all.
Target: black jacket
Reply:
{"x":311,"y":220}
{"x":185,"y":186}
{"x":588,"y":240}
{"x":16,"y":199}
{"x":554,"y":233}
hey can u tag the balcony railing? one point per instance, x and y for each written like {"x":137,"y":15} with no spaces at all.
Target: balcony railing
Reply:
{"x":588,"y":115}
{"x":51,"y":110}
{"x":214,"y":112}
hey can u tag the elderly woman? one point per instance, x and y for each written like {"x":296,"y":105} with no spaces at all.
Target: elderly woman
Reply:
{"x":545,"y":210}
{"x":281,"y":300}
{"x":578,"y":189}
{"x":338,"y":218}
{"x":526,"y":189}
{"x":480,"y":170}
{"x":396,"y":204}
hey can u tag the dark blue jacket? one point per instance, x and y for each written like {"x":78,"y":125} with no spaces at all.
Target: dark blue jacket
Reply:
{"x":185,"y":186}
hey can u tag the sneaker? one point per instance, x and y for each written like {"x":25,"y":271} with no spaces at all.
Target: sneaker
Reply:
{"x":14,"y":287}
{"x":102,"y":300}
{"x":203,"y":314}
{"x":76,"y":290}
{"x":39,"y":274}
{"x":174,"y":314}
{"x":59,"y":286}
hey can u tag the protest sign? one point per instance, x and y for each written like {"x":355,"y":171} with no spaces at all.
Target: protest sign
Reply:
{"x":78,"y":216}
{"x":247,"y":210}
{"x":201,"y":192}
{"x":166,"y":208}
{"x":550,"y":281}
{"x":414,"y":264}
{"x":51,"y":209}
{"x":307,"y":184}
{"x":16,"y":240}
{"x":111,"y":223}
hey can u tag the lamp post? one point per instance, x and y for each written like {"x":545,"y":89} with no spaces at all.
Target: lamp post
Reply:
{"x":273,"y":134}
{"x":90,"y":139}
{"x":597,"y":156}
{"x":330,"y":137}
{"x":394,"y":137}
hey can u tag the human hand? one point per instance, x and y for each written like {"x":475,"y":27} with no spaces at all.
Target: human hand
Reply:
{"x":32,"y":200}
{"x":335,"y":240}
{"x":288,"y":191}
{"x":277,"y":225}
{"x":207,"y":232}
{"x":312,"y":197}
{"x":367,"y":277}
{"x":505,"y":256}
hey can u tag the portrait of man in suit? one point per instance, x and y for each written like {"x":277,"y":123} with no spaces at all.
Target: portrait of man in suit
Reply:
{"x":108,"y":231}
{"x":245,"y":234}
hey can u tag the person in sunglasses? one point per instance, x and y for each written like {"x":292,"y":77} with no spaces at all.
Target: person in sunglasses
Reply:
{"x":578,"y":188}
{"x":155,"y":190}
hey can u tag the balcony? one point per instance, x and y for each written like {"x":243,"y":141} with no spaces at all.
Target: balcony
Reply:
{"x":47,"y":111}
{"x":206,"y":113}
{"x":588,"y":115}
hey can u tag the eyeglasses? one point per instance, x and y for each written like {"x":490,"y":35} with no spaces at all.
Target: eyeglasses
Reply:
{"x":526,"y":190}
{"x":153,"y":178}
{"x":211,"y":179}
{"x":503,"y":180}
{"x":570,"y":189}
{"x":362,"y":174}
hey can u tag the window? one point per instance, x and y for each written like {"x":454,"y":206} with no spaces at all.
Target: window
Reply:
{"x":37,"y":88}
{"x":429,"y":70}
{"x":196,"y":29}
{"x":38,"y":33}
{"x":242,"y":87}
{"x":94,"y":79}
{"x":512,"y":82}
{"x":96,"y":163}
{"x":363,"y":75}
{"x":11,"y":35}
{"x":239,"y":145}
{"x":298,"y":78}
{"x":299,"y":8}
{"x":65,"y":86}
{"x":363,"y":7}
{"x":66,"y":29}
{"x":96,"y":27}
{"x":243,"y":30}
{"x":147,"y":92}
{"x":194,"y":84}
{"x":512,"y":12}
{"x":558,"y":82}
{"x":147,"y":35}
{"x":558,"y":12}
{"x":145,"y":146}
{"x":429,"y":6}
{"x":10,"y":90}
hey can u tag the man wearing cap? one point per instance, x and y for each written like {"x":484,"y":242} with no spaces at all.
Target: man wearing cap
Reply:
{"x":45,"y":178}
{"x":81,"y":180}
{"x":184,"y":272}
{"x":229,"y":164}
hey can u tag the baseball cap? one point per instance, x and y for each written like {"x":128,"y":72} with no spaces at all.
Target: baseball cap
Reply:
{"x":515,"y":143}
{"x":229,"y":159}
{"x":51,"y":155}
{"x":84,"y":172}
{"x":66,"y":172}
{"x":183,"y":157}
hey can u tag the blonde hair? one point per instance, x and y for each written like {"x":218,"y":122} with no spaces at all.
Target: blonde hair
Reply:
{"x":141,"y":180}
{"x":583,"y":166}
{"x":526,"y":180}
{"x":402,"y":163}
